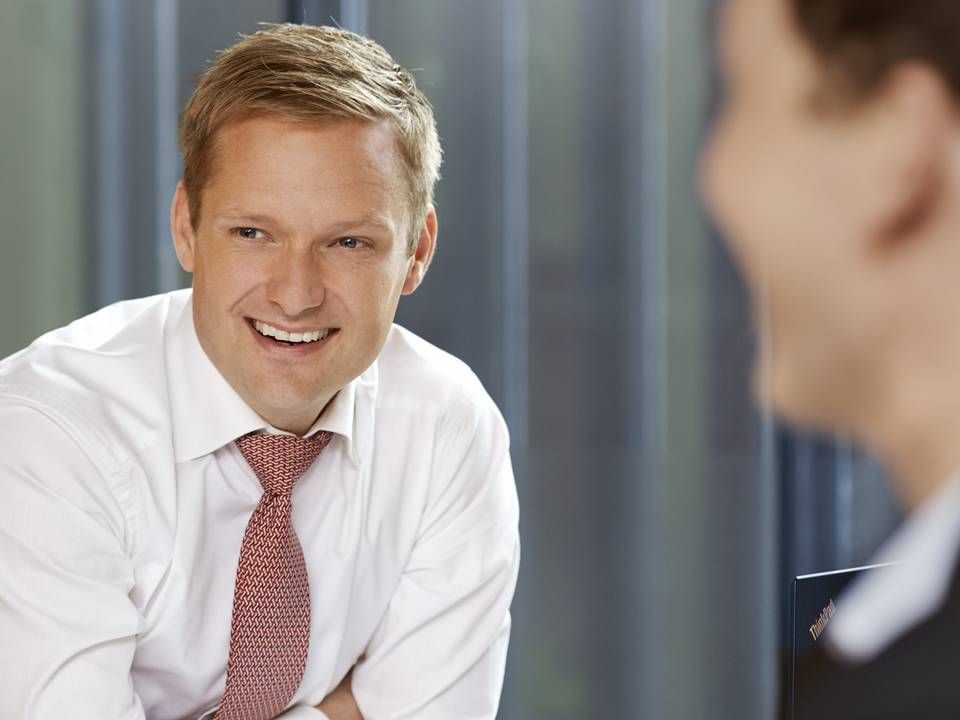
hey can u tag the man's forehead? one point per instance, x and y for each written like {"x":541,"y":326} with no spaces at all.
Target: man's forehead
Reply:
{"x":342,"y":138}
{"x":730,"y":25}
{"x":273,"y":154}
{"x":750,"y":29}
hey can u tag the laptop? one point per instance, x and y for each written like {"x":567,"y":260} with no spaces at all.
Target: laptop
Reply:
{"x":813,"y":603}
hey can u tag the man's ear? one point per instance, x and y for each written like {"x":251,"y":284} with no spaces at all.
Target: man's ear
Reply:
{"x":423,"y":252}
{"x":917,"y":117}
{"x":181,"y":227}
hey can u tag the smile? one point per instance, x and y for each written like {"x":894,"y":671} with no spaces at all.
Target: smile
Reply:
{"x":291,"y":337}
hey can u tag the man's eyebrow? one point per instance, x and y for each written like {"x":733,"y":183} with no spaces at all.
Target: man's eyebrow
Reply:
{"x":252,"y":218}
{"x":368,"y":221}
{"x":362,"y":222}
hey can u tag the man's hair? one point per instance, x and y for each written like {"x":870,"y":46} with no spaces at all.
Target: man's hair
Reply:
{"x":861,"y":41}
{"x":311,"y":74}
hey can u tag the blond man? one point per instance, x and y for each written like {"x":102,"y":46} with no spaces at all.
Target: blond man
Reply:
{"x":260,"y":497}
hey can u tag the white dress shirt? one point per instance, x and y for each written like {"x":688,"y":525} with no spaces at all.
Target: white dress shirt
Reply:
{"x":892,"y":600}
{"x":123,"y":503}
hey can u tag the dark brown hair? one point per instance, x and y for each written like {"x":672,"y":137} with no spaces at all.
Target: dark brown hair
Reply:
{"x":861,"y":41}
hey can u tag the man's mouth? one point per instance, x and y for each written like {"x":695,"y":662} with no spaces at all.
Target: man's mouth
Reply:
{"x":291,"y":337}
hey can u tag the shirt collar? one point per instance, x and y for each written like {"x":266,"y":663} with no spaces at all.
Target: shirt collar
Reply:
{"x":887,"y":602}
{"x":207,"y":413}
{"x":340,"y":418}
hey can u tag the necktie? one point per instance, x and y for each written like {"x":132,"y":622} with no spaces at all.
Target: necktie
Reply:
{"x":270,"y":628}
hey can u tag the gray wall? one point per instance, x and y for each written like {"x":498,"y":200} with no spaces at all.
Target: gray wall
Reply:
{"x":41,"y":197}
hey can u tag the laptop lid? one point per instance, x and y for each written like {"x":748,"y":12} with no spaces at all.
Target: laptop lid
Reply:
{"x":814,"y":600}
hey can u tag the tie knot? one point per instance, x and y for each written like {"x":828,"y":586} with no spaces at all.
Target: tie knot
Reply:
{"x":279,"y":460}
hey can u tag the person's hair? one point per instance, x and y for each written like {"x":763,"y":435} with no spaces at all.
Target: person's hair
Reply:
{"x":311,"y":74}
{"x":861,"y":41}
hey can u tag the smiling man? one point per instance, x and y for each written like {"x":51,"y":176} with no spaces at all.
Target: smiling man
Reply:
{"x":259,"y":496}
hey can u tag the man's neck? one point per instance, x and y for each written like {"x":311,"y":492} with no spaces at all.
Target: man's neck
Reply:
{"x":297,"y":421}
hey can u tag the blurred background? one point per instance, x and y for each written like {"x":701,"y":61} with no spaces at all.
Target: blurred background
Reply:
{"x":662,"y":516}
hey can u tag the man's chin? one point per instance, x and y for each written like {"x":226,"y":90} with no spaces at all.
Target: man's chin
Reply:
{"x":772,"y":393}
{"x":800,"y":405}
{"x":762,"y":384}
{"x":288,"y":408}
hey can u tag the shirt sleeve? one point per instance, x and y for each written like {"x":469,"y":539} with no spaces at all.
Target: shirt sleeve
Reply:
{"x":440,"y":650}
{"x":67,"y":624}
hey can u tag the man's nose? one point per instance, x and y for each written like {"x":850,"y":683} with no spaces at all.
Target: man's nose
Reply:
{"x":297,"y":281}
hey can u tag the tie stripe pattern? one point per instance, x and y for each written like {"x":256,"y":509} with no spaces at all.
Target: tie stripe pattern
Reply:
{"x":270,"y":628}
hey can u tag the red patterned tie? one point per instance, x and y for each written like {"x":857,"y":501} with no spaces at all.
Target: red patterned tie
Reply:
{"x":270,"y":630}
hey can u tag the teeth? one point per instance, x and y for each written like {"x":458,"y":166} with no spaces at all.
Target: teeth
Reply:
{"x":295,"y":337}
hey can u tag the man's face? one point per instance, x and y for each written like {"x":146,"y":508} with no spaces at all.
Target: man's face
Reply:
{"x":299,"y":258}
{"x":789,"y":185}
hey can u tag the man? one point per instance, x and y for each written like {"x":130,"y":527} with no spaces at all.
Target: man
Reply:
{"x":834,"y":170}
{"x":260,"y":494}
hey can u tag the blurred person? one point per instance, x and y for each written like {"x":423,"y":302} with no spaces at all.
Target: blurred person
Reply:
{"x":834,"y":172}
{"x":260,"y":493}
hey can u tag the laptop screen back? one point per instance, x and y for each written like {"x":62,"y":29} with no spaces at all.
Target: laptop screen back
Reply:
{"x":813,"y":603}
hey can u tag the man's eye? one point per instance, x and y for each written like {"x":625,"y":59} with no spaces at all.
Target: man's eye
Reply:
{"x":248,"y":233}
{"x":349,"y":243}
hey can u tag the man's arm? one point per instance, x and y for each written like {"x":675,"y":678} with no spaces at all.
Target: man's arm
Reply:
{"x":67,"y":624}
{"x":340,"y":704}
{"x":440,"y":649}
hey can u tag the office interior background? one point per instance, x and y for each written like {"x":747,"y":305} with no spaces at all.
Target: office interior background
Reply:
{"x":662,"y":515}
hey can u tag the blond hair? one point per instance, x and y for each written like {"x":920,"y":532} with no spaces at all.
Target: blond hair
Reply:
{"x":309,"y":73}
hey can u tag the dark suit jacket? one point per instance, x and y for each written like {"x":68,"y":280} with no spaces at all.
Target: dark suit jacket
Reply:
{"x":917,"y":677}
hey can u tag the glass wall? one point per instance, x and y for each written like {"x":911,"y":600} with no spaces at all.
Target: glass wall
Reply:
{"x":662,"y":517}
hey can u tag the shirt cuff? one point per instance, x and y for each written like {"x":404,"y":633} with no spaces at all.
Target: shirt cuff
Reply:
{"x":303,"y":712}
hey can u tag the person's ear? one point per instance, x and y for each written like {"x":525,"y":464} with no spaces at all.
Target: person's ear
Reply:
{"x":423,"y":252}
{"x":181,"y":227}
{"x":915,"y":116}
